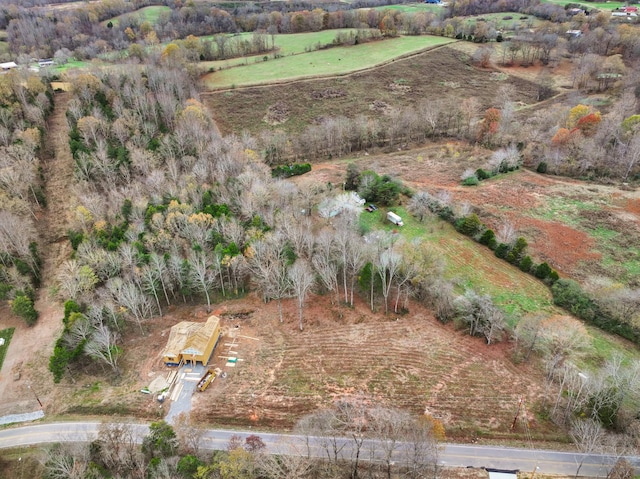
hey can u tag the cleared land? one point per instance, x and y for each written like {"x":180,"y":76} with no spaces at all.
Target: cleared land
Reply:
{"x":410,"y":8}
{"x":145,"y":14}
{"x":6,"y":335}
{"x":441,"y":73}
{"x":334,"y":61}
{"x":600,"y":5}
{"x":505,"y":21}
{"x":469,"y":264}
{"x":286,"y":44}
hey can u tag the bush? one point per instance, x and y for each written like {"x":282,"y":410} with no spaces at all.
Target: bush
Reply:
{"x":469,"y":225}
{"x":542,"y":271}
{"x":287,"y":171}
{"x":22,"y":306}
{"x":501,"y":250}
{"x":542,"y":167}
{"x":483,"y":174}
{"x":471,"y":181}
{"x":488,"y":238}
{"x":383,"y":190}
{"x":515,"y":254}
{"x":526,"y":264}
{"x":569,"y":295}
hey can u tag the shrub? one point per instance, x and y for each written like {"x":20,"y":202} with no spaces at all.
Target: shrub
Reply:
{"x":469,"y":225}
{"x":542,"y":167}
{"x":526,"y":264}
{"x":471,"y":181}
{"x":384,"y":190}
{"x":542,"y":271}
{"x":515,"y":254}
{"x":569,"y":295}
{"x":501,"y":250}
{"x":483,"y":174}
{"x":287,"y":171}
{"x":488,"y":238}
{"x":22,"y":306}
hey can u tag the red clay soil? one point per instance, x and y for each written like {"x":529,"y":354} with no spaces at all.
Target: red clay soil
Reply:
{"x":518,"y":197}
{"x":410,"y":361}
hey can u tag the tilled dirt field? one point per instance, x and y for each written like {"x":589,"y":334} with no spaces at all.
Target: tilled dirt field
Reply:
{"x":411,"y":362}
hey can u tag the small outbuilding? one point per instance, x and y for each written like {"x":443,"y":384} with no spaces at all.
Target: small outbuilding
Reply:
{"x":192,"y":342}
{"x":8,"y":66}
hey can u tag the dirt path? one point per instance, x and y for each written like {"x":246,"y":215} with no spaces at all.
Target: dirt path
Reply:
{"x":30,"y":348}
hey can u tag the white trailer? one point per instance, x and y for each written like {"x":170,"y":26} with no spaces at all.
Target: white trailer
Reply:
{"x":394,"y":218}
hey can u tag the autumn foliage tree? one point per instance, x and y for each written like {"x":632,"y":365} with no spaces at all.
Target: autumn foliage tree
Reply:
{"x":489,"y":126}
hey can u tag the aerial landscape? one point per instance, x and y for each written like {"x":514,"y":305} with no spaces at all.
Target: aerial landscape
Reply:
{"x":319,"y":239}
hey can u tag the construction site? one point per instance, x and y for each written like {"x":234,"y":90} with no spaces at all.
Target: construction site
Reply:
{"x":195,"y":356}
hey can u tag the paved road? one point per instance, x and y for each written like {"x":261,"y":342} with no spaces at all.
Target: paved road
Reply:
{"x":548,"y":462}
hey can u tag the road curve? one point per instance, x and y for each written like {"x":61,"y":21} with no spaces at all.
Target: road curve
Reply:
{"x":454,"y":455}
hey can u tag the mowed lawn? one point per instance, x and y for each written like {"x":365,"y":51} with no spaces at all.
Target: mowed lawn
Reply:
{"x":146,"y":14}
{"x":334,"y":61}
{"x":468,"y":263}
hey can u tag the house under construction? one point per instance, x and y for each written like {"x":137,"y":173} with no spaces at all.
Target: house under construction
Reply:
{"x":192,"y":342}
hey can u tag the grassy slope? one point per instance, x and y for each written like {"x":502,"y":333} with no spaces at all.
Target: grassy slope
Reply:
{"x":288,"y":44}
{"x":335,"y":61}
{"x":411,"y":8}
{"x":6,"y":334}
{"x":146,"y":14}
{"x":599,"y":5}
{"x":470,"y":264}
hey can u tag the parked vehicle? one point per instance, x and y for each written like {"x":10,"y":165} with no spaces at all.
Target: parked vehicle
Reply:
{"x":394,"y":218}
{"x":371,"y":208}
{"x":207,"y":379}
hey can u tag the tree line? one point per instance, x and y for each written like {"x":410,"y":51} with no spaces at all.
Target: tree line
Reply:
{"x":25,"y":102}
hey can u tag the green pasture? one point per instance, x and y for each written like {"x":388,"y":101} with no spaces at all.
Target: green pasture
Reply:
{"x":145,"y":14}
{"x":287,"y":44}
{"x":71,"y":64}
{"x":6,"y":334}
{"x":411,"y":7}
{"x":598,"y":5}
{"x":334,"y":61}
{"x":468,"y":263}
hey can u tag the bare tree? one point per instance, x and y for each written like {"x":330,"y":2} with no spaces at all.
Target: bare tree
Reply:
{"x":189,"y":433}
{"x":202,"y":274}
{"x":587,"y":435}
{"x":102,"y":346}
{"x":67,"y":461}
{"x":118,"y":448}
{"x":269,"y":265}
{"x":302,"y":280}
{"x":325,"y":264}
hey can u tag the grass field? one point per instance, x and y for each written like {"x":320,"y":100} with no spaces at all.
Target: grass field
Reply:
{"x":471,"y":265}
{"x":411,"y":8}
{"x":71,"y":64}
{"x":335,"y":61}
{"x":146,"y":14}
{"x":6,"y":334}
{"x":287,"y":44}
{"x":599,"y":5}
